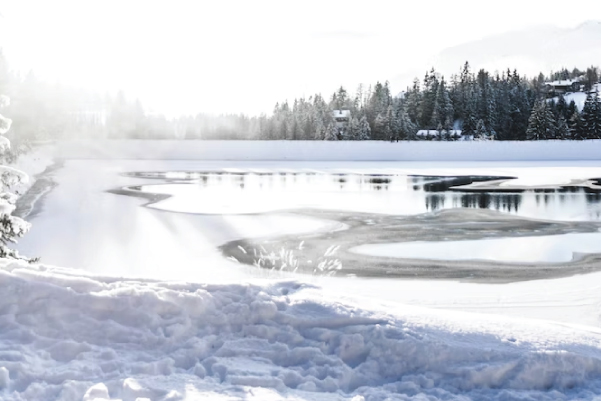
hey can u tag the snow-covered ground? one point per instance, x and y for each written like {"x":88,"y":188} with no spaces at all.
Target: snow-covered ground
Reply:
{"x":69,"y":336}
{"x":579,"y":97}
{"x":32,"y":164}
{"x":277,"y":151}
{"x":546,"y":248}
{"x":213,"y":330}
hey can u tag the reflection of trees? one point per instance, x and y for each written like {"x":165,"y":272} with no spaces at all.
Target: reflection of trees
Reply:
{"x":435,"y":201}
{"x":593,"y":198}
{"x":435,"y":189}
{"x":506,"y":202}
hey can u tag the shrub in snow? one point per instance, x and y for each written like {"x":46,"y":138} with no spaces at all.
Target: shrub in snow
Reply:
{"x":11,"y":227}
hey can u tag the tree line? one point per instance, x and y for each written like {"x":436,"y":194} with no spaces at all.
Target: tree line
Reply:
{"x":503,"y":106}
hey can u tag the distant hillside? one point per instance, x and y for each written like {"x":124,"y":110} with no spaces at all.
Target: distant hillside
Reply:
{"x":533,"y":50}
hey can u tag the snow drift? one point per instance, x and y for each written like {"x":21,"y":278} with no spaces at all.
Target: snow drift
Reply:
{"x":70,"y":337}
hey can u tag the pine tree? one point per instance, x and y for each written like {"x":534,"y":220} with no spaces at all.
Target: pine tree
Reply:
{"x":413,"y":100}
{"x":541,"y":124}
{"x":575,"y":126}
{"x":481,"y":132}
{"x":448,"y":129}
{"x":320,"y":131}
{"x":470,"y":121}
{"x":443,"y":106}
{"x":591,"y":117}
{"x":562,"y":131}
{"x":572,"y":108}
{"x":353,"y":130}
{"x":364,"y":129}
{"x":381,"y":129}
{"x":562,"y":108}
{"x":428,"y":102}
{"x":331,"y":132}
{"x":11,"y":227}
{"x":404,"y":128}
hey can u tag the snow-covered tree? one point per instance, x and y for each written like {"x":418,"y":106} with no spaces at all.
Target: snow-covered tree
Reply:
{"x":352,"y":133}
{"x":331,"y":132}
{"x":481,"y":131}
{"x":591,"y":117}
{"x":364,"y":129}
{"x":575,"y":126}
{"x":541,"y":124}
{"x":11,"y":227}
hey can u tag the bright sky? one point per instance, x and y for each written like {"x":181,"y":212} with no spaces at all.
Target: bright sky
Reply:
{"x":242,"y":55}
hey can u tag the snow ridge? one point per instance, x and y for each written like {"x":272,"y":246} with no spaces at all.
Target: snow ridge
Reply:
{"x":70,"y":337}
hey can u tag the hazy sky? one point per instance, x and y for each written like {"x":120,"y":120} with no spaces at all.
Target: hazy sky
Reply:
{"x":244,"y":55}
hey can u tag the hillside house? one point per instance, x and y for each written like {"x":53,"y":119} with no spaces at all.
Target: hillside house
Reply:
{"x":562,"y":87}
{"x":342,"y":118}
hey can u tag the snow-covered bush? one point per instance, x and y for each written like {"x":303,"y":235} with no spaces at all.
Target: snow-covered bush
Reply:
{"x":11,"y":227}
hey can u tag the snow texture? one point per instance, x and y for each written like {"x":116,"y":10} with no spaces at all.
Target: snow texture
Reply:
{"x":4,"y":101}
{"x":67,"y":335}
{"x":331,"y":150}
{"x":71,"y":337}
{"x":5,"y":124}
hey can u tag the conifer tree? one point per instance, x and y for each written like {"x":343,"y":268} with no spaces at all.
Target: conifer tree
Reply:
{"x":575,"y":126}
{"x":481,"y":132}
{"x":562,"y":108}
{"x":331,"y":132}
{"x":353,"y":130}
{"x":364,"y":129}
{"x":413,"y":101}
{"x":541,"y":124}
{"x":591,"y":117}
{"x":11,"y":227}
{"x":562,"y":130}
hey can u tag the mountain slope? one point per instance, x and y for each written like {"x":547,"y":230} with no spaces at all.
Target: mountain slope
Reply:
{"x":532,"y":50}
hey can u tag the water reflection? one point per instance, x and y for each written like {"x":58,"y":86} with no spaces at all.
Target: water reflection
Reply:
{"x":255,"y":192}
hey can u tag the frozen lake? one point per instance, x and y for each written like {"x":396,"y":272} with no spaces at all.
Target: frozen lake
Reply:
{"x":195,"y":207}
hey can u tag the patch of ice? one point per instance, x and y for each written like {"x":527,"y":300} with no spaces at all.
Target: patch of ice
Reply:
{"x":541,"y":249}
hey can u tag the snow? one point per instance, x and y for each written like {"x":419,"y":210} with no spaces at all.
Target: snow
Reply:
{"x":30,"y":164}
{"x":578,"y":97}
{"x":531,"y":50}
{"x":565,"y":82}
{"x":341,"y":114}
{"x":547,"y":248}
{"x":4,"y":101}
{"x":213,"y":332}
{"x":5,"y":124}
{"x":68,"y":336}
{"x":331,"y":150}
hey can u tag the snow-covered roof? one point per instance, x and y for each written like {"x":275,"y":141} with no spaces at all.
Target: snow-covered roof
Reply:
{"x":563,"y":82}
{"x":341,"y":113}
{"x":434,"y":132}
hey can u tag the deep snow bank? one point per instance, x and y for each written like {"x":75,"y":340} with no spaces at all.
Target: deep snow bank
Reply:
{"x":331,"y":150}
{"x":70,"y":337}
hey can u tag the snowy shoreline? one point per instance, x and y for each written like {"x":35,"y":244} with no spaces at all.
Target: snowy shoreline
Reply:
{"x":69,"y":337}
{"x":72,"y":335}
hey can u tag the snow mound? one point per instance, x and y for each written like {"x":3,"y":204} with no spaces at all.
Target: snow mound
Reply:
{"x":70,"y":337}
